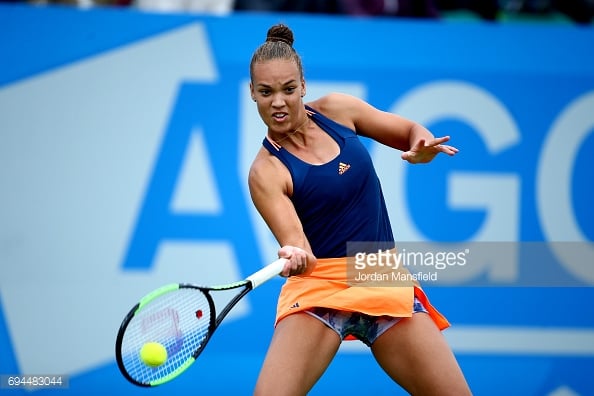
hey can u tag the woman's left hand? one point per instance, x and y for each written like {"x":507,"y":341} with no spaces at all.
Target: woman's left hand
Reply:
{"x":424,"y":151}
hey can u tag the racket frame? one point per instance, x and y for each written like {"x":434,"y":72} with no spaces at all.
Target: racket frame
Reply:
{"x":250,"y":283}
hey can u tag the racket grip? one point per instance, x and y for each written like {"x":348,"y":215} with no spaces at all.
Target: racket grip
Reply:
{"x":267,"y":273}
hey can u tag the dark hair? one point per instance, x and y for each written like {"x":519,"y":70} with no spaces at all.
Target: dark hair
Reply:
{"x":278,"y":45}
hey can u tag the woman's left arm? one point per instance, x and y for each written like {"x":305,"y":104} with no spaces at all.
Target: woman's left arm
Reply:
{"x":415,"y":141}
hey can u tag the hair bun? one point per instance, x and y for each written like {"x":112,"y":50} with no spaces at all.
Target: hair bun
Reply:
{"x":280,"y":32}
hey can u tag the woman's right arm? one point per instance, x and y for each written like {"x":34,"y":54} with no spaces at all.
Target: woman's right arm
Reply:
{"x":270,"y":188}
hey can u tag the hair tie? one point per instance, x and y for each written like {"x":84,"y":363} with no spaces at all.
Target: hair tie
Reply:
{"x":273,"y":39}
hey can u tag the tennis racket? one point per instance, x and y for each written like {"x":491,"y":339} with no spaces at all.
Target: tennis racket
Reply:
{"x":182,"y":318}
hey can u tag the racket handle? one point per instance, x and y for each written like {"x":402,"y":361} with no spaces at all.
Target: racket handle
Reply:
{"x":267,"y":273}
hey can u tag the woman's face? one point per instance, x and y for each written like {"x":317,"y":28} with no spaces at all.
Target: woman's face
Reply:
{"x":278,"y":89}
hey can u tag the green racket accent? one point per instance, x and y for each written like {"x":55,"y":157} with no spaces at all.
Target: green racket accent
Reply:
{"x":156,"y":293}
{"x":233,"y":285}
{"x":174,"y":374}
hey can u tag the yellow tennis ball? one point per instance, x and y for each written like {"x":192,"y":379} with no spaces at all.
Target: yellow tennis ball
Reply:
{"x":153,"y":354}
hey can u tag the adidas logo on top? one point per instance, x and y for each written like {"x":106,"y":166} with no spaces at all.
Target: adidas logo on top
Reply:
{"x":342,"y":167}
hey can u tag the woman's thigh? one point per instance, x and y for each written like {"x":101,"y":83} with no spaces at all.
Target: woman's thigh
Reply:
{"x":415,"y":354}
{"x":301,"y":349}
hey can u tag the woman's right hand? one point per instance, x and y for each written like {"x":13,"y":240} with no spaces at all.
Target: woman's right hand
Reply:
{"x":297,"y":263}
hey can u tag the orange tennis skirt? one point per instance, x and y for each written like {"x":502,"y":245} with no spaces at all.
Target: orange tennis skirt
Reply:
{"x":331,"y":286}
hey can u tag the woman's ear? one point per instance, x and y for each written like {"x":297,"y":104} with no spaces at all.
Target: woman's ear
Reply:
{"x":252,"y":92}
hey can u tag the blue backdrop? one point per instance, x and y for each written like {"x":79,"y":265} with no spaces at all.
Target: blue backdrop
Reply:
{"x":125,"y":140}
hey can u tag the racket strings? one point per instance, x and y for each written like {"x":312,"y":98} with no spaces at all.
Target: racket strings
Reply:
{"x":178,"y":320}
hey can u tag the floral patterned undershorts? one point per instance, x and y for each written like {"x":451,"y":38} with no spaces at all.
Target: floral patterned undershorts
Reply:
{"x":361,"y":326}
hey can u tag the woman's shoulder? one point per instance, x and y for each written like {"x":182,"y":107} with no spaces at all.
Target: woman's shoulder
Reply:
{"x":267,"y":174}
{"x":333,"y":102}
{"x":337,"y":106}
{"x":262,"y":162}
{"x":264,"y":166}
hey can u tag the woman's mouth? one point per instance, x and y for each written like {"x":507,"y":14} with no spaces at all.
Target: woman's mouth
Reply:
{"x":279,"y":117}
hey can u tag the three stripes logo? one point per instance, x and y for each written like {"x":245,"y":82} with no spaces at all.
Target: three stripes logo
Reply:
{"x":342,"y":167}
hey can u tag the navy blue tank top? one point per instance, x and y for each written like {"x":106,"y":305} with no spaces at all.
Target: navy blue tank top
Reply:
{"x":340,"y":201}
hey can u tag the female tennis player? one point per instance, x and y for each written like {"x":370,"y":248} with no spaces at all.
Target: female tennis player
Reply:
{"x":314,"y":184}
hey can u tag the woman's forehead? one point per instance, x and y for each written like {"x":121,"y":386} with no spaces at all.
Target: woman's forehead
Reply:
{"x":275,"y":68}
{"x":281,"y":65}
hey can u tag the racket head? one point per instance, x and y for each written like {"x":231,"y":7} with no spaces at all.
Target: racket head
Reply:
{"x":181,"y":317}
